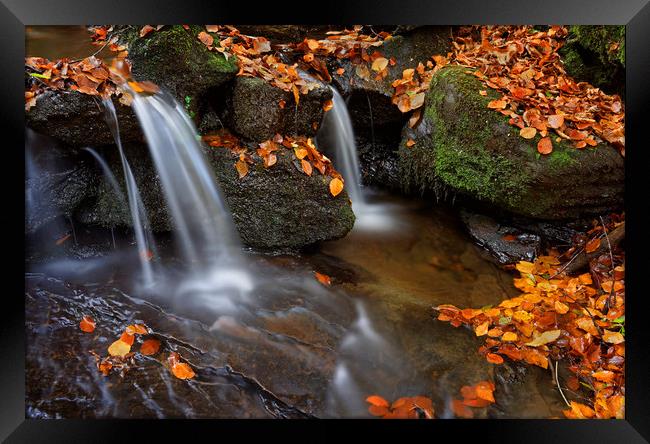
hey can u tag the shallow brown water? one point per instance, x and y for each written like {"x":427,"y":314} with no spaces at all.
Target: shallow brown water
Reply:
{"x":57,"y":42}
{"x":293,"y":348}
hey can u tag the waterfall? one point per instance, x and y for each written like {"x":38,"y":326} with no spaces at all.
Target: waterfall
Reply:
{"x":108,"y":174}
{"x":135,"y":203}
{"x":206,"y":233}
{"x":337,"y":128}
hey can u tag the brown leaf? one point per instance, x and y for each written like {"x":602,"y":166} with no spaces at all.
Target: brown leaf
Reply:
{"x":242,"y":168}
{"x":528,"y":132}
{"x":206,"y":39}
{"x":150,"y":347}
{"x":306,"y":167}
{"x":146,"y":29}
{"x":336,"y":186}
{"x":545,"y":146}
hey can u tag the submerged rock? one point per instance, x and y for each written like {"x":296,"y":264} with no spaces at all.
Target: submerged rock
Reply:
{"x":77,"y":119}
{"x":468,"y":149}
{"x":596,"y":54}
{"x":505,"y":244}
{"x":257,"y":110}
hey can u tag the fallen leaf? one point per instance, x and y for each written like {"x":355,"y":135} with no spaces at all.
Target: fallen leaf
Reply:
{"x":497,"y":104}
{"x":336,"y":186}
{"x":545,"y":146}
{"x":528,"y":132}
{"x":410,"y":143}
{"x":379,"y":64}
{"x":206,"y":38}
{"x":324,"y":279}
{"x":119,"y":348}
{"x":544,"y":338}
{"x":150,"y":347}
{"x":146,"y":29}
{"x":242,"y":168}
{"x":509,"y":337}
{"x":555,"y":121}
{"x":87,"y":324}
{"x":592,"y":245}
{"x":493,"y":358}
{"x":377,"y":401}
{"x":328,"y":105}
{"x":306,"y":167}
{"x":612,"y":337}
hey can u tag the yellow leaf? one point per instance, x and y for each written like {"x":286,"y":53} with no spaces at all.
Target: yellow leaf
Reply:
{"x":525,"y":267}
{"x":482,"y":329}
{"x":242,"y":168}
{"x":544,"y":338}
{"x":509,"y":337}
{"x":336,"y":186}
{"x":119,"y":348}
{"x":613,"y":337}
{"x":528,"y":132}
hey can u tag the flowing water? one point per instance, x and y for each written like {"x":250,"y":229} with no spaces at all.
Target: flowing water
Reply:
{"x":265,"y":338}
{"x":138,"y":212}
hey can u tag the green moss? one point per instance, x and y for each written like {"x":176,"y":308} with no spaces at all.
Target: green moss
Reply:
{"x":599,"y":39}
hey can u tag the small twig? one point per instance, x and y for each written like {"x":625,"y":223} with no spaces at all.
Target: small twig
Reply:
{"x":557,"y":382}
{"x":564,"y":267}
{"x":611,"y":258}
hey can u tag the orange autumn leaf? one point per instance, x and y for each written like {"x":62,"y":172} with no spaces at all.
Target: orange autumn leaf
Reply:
{"x":484,"y":390}
{"x":63,"y":239}
{"x":410,"y":143}
{"x":555,"y":121}
{"x":493,"y":358}
{"x":242,"y":168}
{"x":612,"y":337}
{"x":497,"y":104}
{"x":137,"y":329}
{"x":592,"y":245}
{"x":300,"y":153}
{"x":206,"y":38}
{"x":545,"y":146}
{"x":328,"y":105}
{"x":323,"y":279}
{"x":127,"y":338}
{"x":150,"y":347}
{"x":509,"y":337}
{"x":282,"y":103}
{"x":528,"y":132}
{"x":146,"y":29}
{"x":180,"y":369}
{"x":306,"y":167}
{"x":482,"y":329}
{"x":340,"y":71}
{"x":87,"y":324}
{"x":119,"y":348}
{"x":336,"y":186}
{"x":377,"y":401}
{"x":460,"y":410}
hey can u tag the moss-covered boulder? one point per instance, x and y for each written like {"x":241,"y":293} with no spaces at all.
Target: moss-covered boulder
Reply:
{"x":273,"y":208}
{"x":596,"y":54}
{"x":176,"y":60}
{"x":257,"y":110}
{"x":77,"y":119}
{"x":464,"y":147}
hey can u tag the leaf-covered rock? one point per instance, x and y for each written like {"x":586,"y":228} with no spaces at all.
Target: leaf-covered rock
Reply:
{"x":257,"y":110}
{"x":464,"y":147}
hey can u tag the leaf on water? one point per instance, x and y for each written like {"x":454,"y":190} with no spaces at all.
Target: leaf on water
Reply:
{"x":87,"y":324}
{"x":336,"y":186}
{"x":545,"y":146}
{"x":528,"y":132}
{"x":119,"y":348}
{"x":242,"y":168}
{"x":180,"y":369}
{"x":150,"y":347}
{"x":324,"y":279}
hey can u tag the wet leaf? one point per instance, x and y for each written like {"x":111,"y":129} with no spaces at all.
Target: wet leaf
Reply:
{"x":544,"y":338}
{"x":377,"y":401}
{"x":509,"y":336}
{"x":119,"y":348}
{"x":306,"y":167}
{"x":150,"y":347}
{"x":242,"y":168}
{"x":410,"y":143}
{"x":325,"y":280}
{"x":379,"y":64}
{"x":592,"y":245}
{"x":87,"y":324}
{"x":493,"y":358}
{"x":328,"y":105}
{"x":612,"y":337}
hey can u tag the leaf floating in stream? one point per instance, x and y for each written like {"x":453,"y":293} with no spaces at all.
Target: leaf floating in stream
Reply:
{"x":323,"y":278}
{"x":87,"y":324}
{"x":180,"y":369}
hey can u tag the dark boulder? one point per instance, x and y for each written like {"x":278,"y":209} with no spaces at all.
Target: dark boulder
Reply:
{"x":77,"y":119}
{"x":464,"y":147}
{"x":254,"y":110}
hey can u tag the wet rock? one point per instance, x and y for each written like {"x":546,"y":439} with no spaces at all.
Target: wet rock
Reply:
{"x":275,"y":208}
{"x":506,"y":244}
{"x":176,"y":60}
{"x":253,"y":109}
{"x":77,"y":119}
{"x":54,"y":186}
{"x":281,"y":207}
{"x":596,"y":54}
{"x":288,"y":33}
{"x":379,"y":162}
{"x":471,"y":150}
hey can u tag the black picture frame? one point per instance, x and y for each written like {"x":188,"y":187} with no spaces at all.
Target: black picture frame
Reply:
{"x":15,"y":14}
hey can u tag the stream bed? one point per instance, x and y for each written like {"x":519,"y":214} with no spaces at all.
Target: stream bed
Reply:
{"x":283,"y":345}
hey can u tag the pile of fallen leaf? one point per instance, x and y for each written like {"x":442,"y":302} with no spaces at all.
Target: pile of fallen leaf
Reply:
{"x":578,"y":319}
{"x":524,"y":65}
{"x":420,"y":407}
{"x":306,"y":157}
{"x":120,"y":357}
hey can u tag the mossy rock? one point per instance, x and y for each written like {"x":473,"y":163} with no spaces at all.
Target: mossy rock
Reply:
{"x":176,"y":60}
{"x":465,"y":148}
{"x":77,"y":119}
{"x":596,"y":54}
{"x":254,"y":109}
{"x":277,"y":208}
{"x":281,"y":207}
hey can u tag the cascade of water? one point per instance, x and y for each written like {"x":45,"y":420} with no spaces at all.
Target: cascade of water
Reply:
{"x":135,"y":203}
{"x":108,"y":174}
{"x":201,"y":219}
{"x":337,"y":128}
